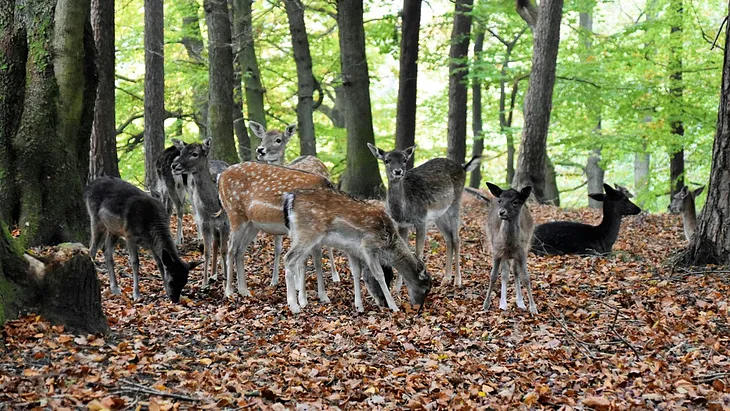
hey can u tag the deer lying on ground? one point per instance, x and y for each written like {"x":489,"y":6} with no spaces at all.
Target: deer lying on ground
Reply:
{"x":429,"y":192}
{"x":272,"y":150}
{"x":212,"y":223}
{"x":568,"y":237}
{"x":365,"y":232}
{"x":251,"y":195}
{"x":684,"y":202}
{"x":509,"y":230}
{"x":119,"y":209}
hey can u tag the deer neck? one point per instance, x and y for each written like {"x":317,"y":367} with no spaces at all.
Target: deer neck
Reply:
{"x":205,"y":190}
{"x":689,"y":216}
{"x":510,"y":231}
{"x":396,"y":199}
{"x":610,"y":225}
{"x":403,"y":260}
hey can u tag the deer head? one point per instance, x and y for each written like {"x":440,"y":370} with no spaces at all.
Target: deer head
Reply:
{"x":395,"y":161}
{"x":193,"y":157}
{"x":273,"y":142}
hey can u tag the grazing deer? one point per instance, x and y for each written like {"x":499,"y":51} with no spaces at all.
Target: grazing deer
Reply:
{"x":509,"y":230}
{"x":364,"y":231}
{"x":251,"y":195}
{"x":684,"y":202}
{"x":429,"y":192}
{"x":119,"y":209}
{"x":272,"y":150}
{"x":171,"y":189}
{"x":213,"y":223}
{"x":568,"y":237}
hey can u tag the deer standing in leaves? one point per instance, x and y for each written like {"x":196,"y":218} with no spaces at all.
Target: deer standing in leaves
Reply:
{"x":684,"y":202}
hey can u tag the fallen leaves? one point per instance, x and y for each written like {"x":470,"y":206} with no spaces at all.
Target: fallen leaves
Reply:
{"x":613,"y":332}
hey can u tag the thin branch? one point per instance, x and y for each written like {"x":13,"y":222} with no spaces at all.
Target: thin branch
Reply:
{"x":718,"y":33}
{"x":581,"y":344}
{"x":613,"y":328}
{"x":134,"y":387}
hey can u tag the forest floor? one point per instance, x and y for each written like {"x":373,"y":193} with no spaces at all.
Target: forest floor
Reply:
{"x":613,"y":332}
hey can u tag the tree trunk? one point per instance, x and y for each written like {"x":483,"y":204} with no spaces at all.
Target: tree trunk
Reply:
{"x":192,"y":40}
{"x":46,"y":112}
{"x":361,"y":177}
{"x":239,"y":126}
{"x":335,"y":113}
{"x":305,"y":77}
{"x":249,"y":66}
{"x":642,"y":163}
{"x":676,"y":166}
{"x":711,"y":241}
{"x":552,"y":194}
{"x":595,"y":176}
{"x":476,"y":109}
{"x":220,"y":80}
{"x":510,"y":135}
{"x":458,"y":71}
{"x":405,"y":117}
{"x":154,"y":88}
{"x":103,"y":154}
{"x":538,"y":101}
{"x":594,"y":172}
{"x":65,"y":290}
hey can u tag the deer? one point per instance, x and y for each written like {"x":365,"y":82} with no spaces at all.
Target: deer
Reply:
{"x":429,"y":192}
{"x":684,"y":203}
{"x":213,"y":224}
{"x":119,"y":209}
{"x":251,"y":196}
{"x":568,"y":237}
{"x":509,"y":231}
{"x":272,"y":150}
{"x":365,"y":232}
{"x":171,"y":189}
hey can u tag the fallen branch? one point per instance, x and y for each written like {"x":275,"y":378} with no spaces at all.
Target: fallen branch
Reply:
{"x":613,"y":328}
{"x":581,"y":344}
{"x":135,"y":387}
{"x":710,"y":377}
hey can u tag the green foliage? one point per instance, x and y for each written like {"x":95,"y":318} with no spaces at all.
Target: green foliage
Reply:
{"x":623,"y":79}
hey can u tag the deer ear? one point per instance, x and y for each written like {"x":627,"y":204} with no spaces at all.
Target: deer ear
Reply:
{"x":609,"y":190}
{"x":526,"y":192}
{"x":378,"y":153}
{"x":494,"y":189}
{"x":257,"y":129}
{"x":684,"y":192}
{"x":178,"y":144}
{"x":597,"y":196}
{"x":206,"y":146}
{"x":409,"y":151}
{"x":194,"y":264}
{"x":167,"y":259}
{"x":289,"y":131}
{"x":698,"y":191}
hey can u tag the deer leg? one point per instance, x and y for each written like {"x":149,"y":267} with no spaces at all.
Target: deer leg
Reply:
{"x":492,"y":279}
{"x":518,"y":285}
{"x":134,"y":262}
{"x":445,"y":229}
{"x":214,"y":262}
{"x":335,"y":274}
{"x":293,"y":262}
{"x":403,"y":232}
{"x":207,"y":245}
{"x":97,"y":234}
{"x":355,"y":269}
{"x":247,"y":236}
{"x":179,"y":205}
{"x":503,"y":293}
{"x":317,"y":260}
{"x":278,"y":239}
{"x":224,"y":237}
{"x":240,"y":238}
{"x":111,"y":240}
{"x":378,"y":274}
{"x":525,"y":278}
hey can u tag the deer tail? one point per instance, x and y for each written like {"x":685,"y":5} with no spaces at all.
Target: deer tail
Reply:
{"x":287,"y":206}
{"x":477,"y":194}
{"x":472,"y":164}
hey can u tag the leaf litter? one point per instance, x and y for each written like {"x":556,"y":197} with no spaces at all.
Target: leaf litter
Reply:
{"x":626,"y":330}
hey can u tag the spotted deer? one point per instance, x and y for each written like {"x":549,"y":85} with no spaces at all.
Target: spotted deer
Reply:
{"x":684,"y":202}
{"x":509,"y":231}
{"x":212,"y":223}
{"x":365,"y":232}
{"x":251,"y":195}
{"x":119,"y":209}
{"x":429,"y":192}
{"x":272,"y":150}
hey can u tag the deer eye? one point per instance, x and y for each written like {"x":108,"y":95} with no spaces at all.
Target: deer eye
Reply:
{"x":278,"y":141}
{"x":194,"y":155}
{"x":386,"y":162}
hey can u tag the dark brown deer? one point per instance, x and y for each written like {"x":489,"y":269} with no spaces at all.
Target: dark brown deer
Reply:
{"x":429,"y":192}
{"x":365,"y":232}
{"x":509,"y":230}
{"x":119,"y":209}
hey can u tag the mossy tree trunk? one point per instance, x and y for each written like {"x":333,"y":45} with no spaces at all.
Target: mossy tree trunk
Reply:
{"x":47,"y":93}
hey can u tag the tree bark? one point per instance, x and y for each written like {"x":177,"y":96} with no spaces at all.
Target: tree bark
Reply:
{"x":711,"y":241}
{"x":458,"y":71}
{"x":220,"y":80}
{"x":154,"y":87}
{"x":65,"y":290}
{"x":676,"y":166}
{"x":249,"y":66}
{"x":538,"y":101}
{"x":239,"y":126}
{"x":405,"y":117}
{"x":305,"y":77}
{"x":361,"y":177}
{"x":104,"y":161}
{"x":46,"y":114}
{"x":476,"y":108}
{"x":192,"y":40}
{"x":552,"y":194}
{"x":594,"y":172}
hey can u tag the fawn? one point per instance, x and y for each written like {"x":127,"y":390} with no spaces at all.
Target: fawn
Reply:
{"x":429,"y":192}
{"x":684,"y":202}
{"x":509,"y":230}
{"x":119,"y":209}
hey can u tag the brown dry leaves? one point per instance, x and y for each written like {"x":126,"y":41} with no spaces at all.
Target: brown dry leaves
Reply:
{"x":613,"y":333}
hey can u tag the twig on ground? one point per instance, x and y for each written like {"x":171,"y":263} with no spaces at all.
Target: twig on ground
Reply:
{"x":613,"y":328}
{"x":135,"y":387}
{"x":710,"y":377}
{"x":581,"y":344}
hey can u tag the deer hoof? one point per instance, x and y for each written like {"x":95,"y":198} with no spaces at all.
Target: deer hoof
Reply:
{"x":295,"y":309}
{"x":335,"y":277}
{"x":503,"y":306}
{"x":522,"y":306}
{"x":244,"y":292}
{"x":324,"y":299}
{"x":229,"y":292}
{"x":486,"y":305}
{"x":116,"y":290}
